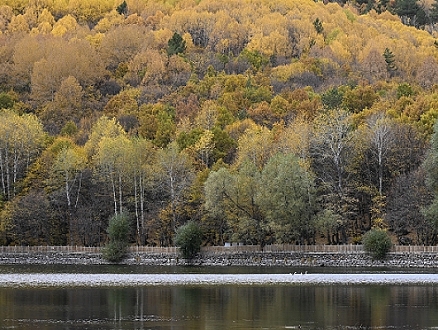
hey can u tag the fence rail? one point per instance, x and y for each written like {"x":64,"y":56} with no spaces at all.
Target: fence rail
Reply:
{"x":82,"y":249}
{"x":284,"y":248}
{"x":232,"y":249}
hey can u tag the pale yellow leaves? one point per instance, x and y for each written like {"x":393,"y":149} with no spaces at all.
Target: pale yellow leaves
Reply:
{"x":110,"y":20}
{"x":286,"y":72}
{"x":65,"y":24}
{"x":203,"y":148}
{"x":273,"y":44}
{"x":18,"y":24}
{"x":103,"y":128}
{"x":255,"y":146}
{"x":6,"y":15}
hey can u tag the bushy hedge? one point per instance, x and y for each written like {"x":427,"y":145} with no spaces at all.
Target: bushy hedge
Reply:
{"x":377,"y":243}
{"x":189,"y":239}
{"x":118,"y":231}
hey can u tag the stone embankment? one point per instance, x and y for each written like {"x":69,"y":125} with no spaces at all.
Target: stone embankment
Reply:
{"x":264,"y":259}
{"x":309,"y":259}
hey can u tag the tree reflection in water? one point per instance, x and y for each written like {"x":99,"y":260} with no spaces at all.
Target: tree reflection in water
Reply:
{"x":222,"y":307}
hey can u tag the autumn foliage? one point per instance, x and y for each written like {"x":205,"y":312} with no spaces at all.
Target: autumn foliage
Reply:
{"x":260,"y":121}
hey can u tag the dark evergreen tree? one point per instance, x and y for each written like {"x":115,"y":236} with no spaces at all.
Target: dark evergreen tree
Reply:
{"x":390,"y":61}
{"x":176,"y":45}
{"x":407,"y":10}
{"x":382,"y":5}
{"x":434,"y":12}
{"x":317,"y":23}
{"x":122,"y":9}
{"x":332,"y":99}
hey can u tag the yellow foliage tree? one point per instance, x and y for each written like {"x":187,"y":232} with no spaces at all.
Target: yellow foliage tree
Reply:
{"x":18,"y":24}
{"x":66,"y":24}
{"x":110,"y":20}
{"x":255,"y":146}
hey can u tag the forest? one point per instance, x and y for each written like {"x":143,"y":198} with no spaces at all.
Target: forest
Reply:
{"x":262,"y":121}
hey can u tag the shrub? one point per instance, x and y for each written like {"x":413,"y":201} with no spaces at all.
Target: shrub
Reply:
{"x":189,"y":239}
{"x":377,"y":243}
{"x":118,"y":230}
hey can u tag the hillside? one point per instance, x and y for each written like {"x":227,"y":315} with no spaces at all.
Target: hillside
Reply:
{"x":263,"y":121}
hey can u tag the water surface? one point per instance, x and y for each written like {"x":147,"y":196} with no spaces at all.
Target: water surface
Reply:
{"x":310,"y":305}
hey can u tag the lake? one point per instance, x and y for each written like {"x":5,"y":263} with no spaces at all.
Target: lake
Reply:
{"x":110,"y":304}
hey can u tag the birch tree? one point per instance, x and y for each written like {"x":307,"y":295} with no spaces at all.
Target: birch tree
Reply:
{"x":111,"y":163}
{"x":66,"y":172}
{"x":174,"y":176}
{"x":382,"y":139}
{"x":21,"y":139}
{"x":141,"y":168}
{"x":330,"y":150}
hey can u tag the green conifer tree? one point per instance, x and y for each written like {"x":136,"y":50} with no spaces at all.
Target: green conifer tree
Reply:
{"x":390,"y":61}
{"x":317,"y":23}
{"x":176,"y":45}
{"x":122,"y":9}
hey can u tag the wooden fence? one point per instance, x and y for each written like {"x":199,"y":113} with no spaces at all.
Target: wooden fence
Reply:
{"x":284,"y":248}
{"x":232,"y":249}
{"x":348,"y":248}
{"x":82,"y":249}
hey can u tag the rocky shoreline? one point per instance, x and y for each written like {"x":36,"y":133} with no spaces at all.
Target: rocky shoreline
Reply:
{"x":264,"y":259}
{"x":46,"y":280}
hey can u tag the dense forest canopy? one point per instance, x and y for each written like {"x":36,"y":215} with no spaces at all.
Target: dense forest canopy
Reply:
{"x":283,"y":121}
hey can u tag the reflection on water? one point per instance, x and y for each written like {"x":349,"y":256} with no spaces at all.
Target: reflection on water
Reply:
{"x":226,"y":307}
